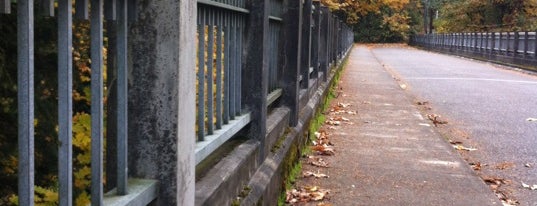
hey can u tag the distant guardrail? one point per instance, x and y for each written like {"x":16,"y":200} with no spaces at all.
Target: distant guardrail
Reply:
{"x":518,"y":48}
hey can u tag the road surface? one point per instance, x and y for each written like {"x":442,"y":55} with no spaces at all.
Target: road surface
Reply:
{"x":487,"y":108}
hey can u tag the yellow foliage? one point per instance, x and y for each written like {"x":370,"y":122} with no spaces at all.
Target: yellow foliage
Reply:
{"x":82,"y":199}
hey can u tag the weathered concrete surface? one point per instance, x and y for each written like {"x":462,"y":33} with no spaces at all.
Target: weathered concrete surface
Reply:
{"x":391,"y":155}
{"x":158,"y":147}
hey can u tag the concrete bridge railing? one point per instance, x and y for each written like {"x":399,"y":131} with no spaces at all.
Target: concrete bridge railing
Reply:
{"x":186,"y":77}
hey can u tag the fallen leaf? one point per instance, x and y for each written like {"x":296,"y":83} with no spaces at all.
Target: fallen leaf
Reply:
{"x":313,"y":174}
{"x":504,"y":165}
{"x":531,"y":119}
{"x":316,"y":161}
{"x":323,"y":150}
{"x":343,"y":105}
{"x":351,"y":112}
{"x":339,"y":119}
{"x":528,"y":165}
{"x":403,"y":86}
{"x":495,"y":181}
{"x":331,"y":122}
{"x":455,"y":142}
{"x":460,"y":147}
{"x":476,"y":166}
{"x":435,"y":119}
{"x":422,"y":103}
{"x":366,"y":102}
{"x":324,"y":204}
{"x":510,"y":202}
{"x":532,"y":187}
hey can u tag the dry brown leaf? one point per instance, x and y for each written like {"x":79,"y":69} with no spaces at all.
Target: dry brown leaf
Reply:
{"x":455,"y":142}
{"x":504,"y":165}
{"x":422,"y":103}
{"x":323,"y":150}
{"x":306,"y":194}
{"x":313,"y":174}
{"x":343,"y":105}
{"x":316,"y":161}
{"x":476,"y":166}
{"x":495,"y":181}
{"x":528,"y":165}
{"x":340,"y":119}
{"x":332,"y":122}
{"x":435,"y":119}
{"x":324,"y":204}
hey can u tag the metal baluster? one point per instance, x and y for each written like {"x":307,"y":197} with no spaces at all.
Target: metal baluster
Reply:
{"x":219,"y":70}
{"x":122,"y":99}
{"x":25,"y":92}
{"x":81,"y":9}
{"x":210,"y":69}
{"x":5,"y":6}
{"x":238,"y":70}
{"x":65,"y":101}
{"x":110,"y":9}
{"x":96,"y":27}
{"x":227,"y":51}
{"x":201,"y":74}
{"x":232,"y":68}
{"x":47,"y":7}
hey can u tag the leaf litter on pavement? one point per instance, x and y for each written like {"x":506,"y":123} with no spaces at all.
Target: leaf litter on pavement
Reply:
{"x":306,"y":194}
{"x":458,"y":146}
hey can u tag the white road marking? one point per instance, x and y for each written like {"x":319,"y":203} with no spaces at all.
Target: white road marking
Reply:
{"x":474,"y":79}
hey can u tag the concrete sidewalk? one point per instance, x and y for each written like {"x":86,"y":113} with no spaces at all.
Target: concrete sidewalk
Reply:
{"x":388,"y":153}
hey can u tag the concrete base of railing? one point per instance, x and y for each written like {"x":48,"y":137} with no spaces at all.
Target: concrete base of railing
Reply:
{"x":141,"y":192}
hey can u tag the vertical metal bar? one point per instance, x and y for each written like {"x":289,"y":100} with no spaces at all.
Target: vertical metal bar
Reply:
{"x":535,"y":45}
{"x":122,"y":100}
{"x":25,"y":84}
{"x":47,"y":7}
{"x":227,"y":45}
{"x":65,"y":102}
{"x":238,"y":96}
{"x":219,"y":70}
{"x":201,"y":74}
{"x":210,"y":70}
{"x":110,"y":8}
{"x":131,"y":10}
{"x":526,"y":43}
{"x":232,"y":68}
{"x":81,"y":9}
{"x":5,"y":6}
{"x":96,"y":27}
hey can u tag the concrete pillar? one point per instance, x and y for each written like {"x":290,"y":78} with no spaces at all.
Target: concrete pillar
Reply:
{"x":255,"y":70}
{"x":306,"y":44}
{"x":162,"y":98}
{"x":292,"y":38}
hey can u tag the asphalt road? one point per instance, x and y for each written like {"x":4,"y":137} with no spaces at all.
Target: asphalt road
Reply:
{"x":487,"y":107}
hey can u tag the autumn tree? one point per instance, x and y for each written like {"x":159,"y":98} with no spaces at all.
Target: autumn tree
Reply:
{"x":493,"y":15}
{"x":378,"y":20}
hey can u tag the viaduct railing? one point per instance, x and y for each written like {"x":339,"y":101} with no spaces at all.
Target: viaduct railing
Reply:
{"x":508,"y":47}
{"x":249,"y":57}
